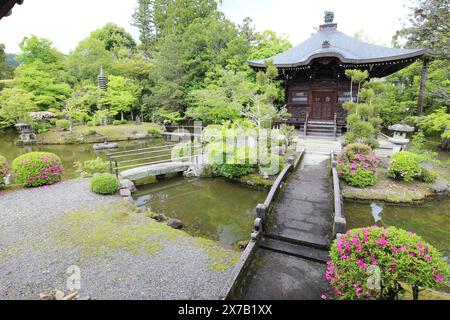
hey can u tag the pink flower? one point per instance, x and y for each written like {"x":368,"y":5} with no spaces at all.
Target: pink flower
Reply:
{"x":439,"y":278}
{"x":428,"y":257}
{"x":324,"y":297}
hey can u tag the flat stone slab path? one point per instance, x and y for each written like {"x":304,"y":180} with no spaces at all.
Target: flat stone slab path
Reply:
{"x":302,"y":213}
{"x":291,"y":261}
{"x":154,"y":170}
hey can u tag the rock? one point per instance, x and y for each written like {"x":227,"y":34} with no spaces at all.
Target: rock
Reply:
{"x":156,"y":216}
{"x":128,"y":199}
{"x":175,"y":223}
{"x":125,"y":193}
{"x":441,"y":187}
{"x":140,"y":136}
{"x":128,"y":184}
{"x":106,"y":146}
{"x":243,"y":244}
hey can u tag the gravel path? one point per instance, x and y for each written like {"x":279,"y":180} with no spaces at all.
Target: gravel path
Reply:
{"x":32,"y":262}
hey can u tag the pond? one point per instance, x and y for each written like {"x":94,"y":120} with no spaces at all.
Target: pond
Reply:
{"x":216,"y":208}
{"x":430,"y":220}
{"x":68,"y":153}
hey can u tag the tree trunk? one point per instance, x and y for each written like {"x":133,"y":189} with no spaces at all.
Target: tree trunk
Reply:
{"x":351,"y":90}
{"x":121,"y":115}
{"x":357,"y":94}
{"x":132,"y":115}
{"x":423,"y":82}
{"x":415,"y":291}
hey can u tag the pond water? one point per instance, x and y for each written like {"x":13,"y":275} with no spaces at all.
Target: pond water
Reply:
{"x":68,"y":153}
{"x":215,"y":208}
{"x":430,"y":220}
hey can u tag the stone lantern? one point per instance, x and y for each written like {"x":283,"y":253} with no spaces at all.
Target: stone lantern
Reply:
{"x":399,"y":139}
{"x":27,"y":136}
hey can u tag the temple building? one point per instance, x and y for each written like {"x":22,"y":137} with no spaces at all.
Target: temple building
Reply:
{"x":314,"y":75}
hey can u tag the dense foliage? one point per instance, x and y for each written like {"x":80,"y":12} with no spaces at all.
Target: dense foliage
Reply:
{"x":405,"y":166}
{"x":105,"y":184}
{"x":374,"y":263}
{"x":4,"y":170}
{"x":357,"y":165}
{"x":37,"y":169}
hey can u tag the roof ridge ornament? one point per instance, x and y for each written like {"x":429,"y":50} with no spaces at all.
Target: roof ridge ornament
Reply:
{"x":329,"y":16}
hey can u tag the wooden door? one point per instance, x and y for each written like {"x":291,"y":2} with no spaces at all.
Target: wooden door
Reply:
{"x":323,"y":105}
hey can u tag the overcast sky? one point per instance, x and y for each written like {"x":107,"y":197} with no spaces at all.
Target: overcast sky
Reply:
{"x":66,"y":22}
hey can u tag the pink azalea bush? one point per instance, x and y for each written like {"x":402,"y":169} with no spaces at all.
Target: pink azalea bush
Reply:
{"x":357,"y":165}
{"x":401,"y":257}
{"x":37,"y":169}
{"x":4,"y":170}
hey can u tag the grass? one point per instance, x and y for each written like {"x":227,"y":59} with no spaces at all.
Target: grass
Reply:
{"x":85,"y":134}
{"x":121,"y":226}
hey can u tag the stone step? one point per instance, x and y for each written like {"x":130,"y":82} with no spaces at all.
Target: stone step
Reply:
{"x":297,"y":241}
{"x":308,"y":253}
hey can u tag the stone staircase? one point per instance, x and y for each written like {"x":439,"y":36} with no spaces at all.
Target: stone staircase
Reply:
{"x":322,"y":129}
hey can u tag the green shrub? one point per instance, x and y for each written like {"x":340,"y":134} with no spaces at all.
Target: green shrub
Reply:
{"x":405,"y":166}
{"x":93,"y":123}
{"x":97,"y":165}
{"x":288,"y":131}
{"x":398,"y":257}
{"x":154,"y":132}
{"x":63,"y":124}
{"x":348,"y":153}
{"x":37,"y":169}
{"x":232,"y":171}
{"x":428,"y":176}
{"x":4,"y":170}
{"x":105,"y":184}
{"x":119,"y":122}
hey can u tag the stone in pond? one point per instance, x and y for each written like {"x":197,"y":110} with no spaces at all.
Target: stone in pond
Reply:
{"x":106,"y":146}
{"x":175,"y":223}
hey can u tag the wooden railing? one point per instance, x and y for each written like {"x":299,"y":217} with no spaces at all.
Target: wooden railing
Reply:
{"x":136,"y":158}
{"x":339,"y":221}
{"x":305,"y":128}
{"x":335,"y":126}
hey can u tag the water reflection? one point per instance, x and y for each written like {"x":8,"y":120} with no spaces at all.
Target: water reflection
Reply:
{"x":215,"y":208}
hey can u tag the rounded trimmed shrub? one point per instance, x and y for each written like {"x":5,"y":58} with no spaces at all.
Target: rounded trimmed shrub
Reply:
{"x":119,"y":122}
{"x":105,"y":184}
{"x":374,"y":263}
{"x":348,"y":153}
{"x":63,"y":124}
{"x":405,"y":166}
{"x":37,"y":169}
{"x":4,"y":170}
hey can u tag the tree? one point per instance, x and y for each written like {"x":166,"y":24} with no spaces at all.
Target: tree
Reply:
{"x":223,"y":98}
{"x":34,"y":48}
{"x":85,"y":61}
{"x":429,"y":28}
{"x":168,"y":76}
{"x":356,"y":76}
{"x":6,"y":71}
{"x":48,"y":93}
{"x":121,"y":95}
{"x":115,"y":40}
{"x":268,"y":44}
{"x":262,"y":108}
{"x":158,"y":18}
{"x":15,"y":104}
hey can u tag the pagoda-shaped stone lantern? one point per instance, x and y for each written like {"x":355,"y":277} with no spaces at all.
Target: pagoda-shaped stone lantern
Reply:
{"x":27,"y":136}
{"x":399,"y":139}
